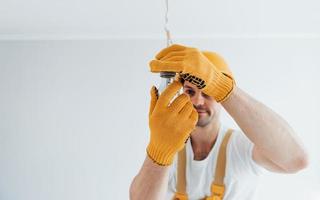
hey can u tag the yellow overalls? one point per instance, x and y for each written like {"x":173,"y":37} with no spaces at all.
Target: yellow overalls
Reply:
{"x":217,"y":186}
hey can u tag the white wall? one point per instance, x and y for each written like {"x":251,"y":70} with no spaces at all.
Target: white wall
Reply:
{"x":145,"y":18}
{"x":73,"y":114}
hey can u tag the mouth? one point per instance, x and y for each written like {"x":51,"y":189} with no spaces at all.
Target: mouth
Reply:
{"x":201,"y":112}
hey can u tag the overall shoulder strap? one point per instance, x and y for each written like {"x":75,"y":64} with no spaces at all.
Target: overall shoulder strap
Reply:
{"x":181,"y":193}
{"x":218,"y":187}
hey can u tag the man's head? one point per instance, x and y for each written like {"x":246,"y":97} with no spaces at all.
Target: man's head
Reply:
{"x":208,"y":109}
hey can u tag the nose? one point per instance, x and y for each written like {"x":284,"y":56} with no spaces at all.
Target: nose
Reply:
{"x":197,"y":99}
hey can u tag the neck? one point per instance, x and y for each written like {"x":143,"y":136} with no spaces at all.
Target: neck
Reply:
{"x":203,"y":139}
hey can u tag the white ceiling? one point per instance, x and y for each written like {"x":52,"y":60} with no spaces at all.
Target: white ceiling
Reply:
{"x":145,"y":18}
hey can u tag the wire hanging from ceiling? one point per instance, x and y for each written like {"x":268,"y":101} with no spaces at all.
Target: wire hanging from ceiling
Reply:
{"x":168,"y":35}
{"x":166,"y":77}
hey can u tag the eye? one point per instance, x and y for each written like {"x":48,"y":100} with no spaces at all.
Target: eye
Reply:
{"x":190,"y":92}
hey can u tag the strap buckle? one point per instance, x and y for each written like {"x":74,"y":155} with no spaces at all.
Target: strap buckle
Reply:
{"x":180,"y":196}
{"x":212,"y":198}
{"x":217,"y":191}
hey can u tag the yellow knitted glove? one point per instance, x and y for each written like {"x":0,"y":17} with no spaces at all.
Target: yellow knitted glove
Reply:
{"x":170,"y":123}
{"x":207,"y":70}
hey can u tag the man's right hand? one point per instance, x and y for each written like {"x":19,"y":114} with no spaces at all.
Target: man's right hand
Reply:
{"x":170,"y":124}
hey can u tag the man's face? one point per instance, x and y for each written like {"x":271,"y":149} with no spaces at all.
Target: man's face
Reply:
{"x":207,"y":107}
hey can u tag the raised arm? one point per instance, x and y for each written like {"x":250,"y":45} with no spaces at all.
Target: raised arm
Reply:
{"x":151,"y":182}
{"x":170,"y":125}
{"x":276,"y":146}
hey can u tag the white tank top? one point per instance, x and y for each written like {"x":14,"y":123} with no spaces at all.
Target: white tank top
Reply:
{"x":242,"y":173}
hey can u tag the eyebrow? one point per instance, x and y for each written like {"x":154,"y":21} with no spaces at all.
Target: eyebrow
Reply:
{"x":188,"y":87}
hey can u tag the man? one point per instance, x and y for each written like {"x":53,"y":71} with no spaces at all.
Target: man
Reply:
{"x":265,"y":142}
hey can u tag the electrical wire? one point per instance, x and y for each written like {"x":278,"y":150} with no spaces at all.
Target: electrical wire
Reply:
{"x":168,"y":35}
